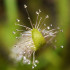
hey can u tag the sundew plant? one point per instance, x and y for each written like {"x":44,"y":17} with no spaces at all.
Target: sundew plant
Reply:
{"x":32,"y":39}
{"x":35,"y":36}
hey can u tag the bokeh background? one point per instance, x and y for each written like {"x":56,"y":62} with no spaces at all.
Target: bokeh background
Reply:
{"x":59,"y":15}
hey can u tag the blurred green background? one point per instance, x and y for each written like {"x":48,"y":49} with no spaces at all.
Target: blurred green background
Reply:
{"x":59,"y":15}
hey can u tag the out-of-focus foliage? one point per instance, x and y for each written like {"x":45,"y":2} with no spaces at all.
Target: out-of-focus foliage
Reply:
{"x":49,"y":58}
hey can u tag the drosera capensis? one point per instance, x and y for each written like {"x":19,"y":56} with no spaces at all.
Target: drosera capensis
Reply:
{"x":32,"y":39}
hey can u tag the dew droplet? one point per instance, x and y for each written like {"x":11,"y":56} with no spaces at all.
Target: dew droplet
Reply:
{"x":28,"y":61}
{"x":35,"y":65}
{"x":28,"y":17}
{"x":14,"y":32}
{"x":47,"y":16}
{"x":51,"y":25}
{"x":24,"y":57}
{"x":32,"y":67}
{"x":37,"y":12}
{"x":62,"y":46}
{"x":48,"y":27}
{"x":25,"y":6}
{"x":24,"y":52}
{"x":17,"y":20}
{"x":16,"y":37}
{"x":36,"y":61}
{"x":44,"y":24}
